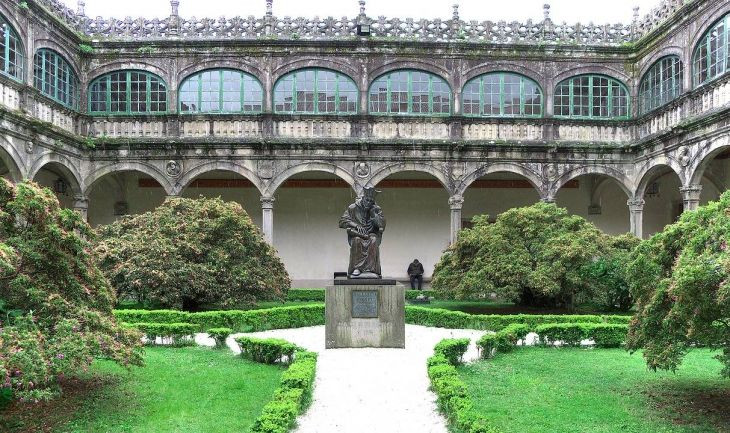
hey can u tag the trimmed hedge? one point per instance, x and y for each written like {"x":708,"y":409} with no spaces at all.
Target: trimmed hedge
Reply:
{"x":311,"y":315}
{"x":238,"y":320}
{"x":451,"y":392}
{"x":219,"y":335}
{"x":291,"y":397}
{"x":571,"y":334}
{"x":452,"y":349}
{"x":267,"y":350}
{"x":176,"y":334}
{"x":502,"y":341}
{"x":317,"y":295}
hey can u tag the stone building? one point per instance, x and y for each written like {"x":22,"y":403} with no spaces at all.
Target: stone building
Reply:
{"x":626,"y":124}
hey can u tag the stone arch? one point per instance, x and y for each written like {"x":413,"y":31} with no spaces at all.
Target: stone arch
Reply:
{"x":230,"y":166}
{"x":610,"y":172}
{"x":63,"y":51}
{"x":128,"y":66}
{"x":704,"y":24}
{"x":71,"y":172}
{"x":20,"y":29}
{"x":706,"y":155}
{"x":502,"y":66}
{"x":648,"y":173}
{"x":335,"y":65}
{"x":388,"y":170}
{"x":531,"y":175}
{"x":412,"y":64}
{"x":327,"y":167}
{"x":204,"y":65}
{"x":12,"y":159}
{"x":141,"y":167}
{"x":605,"y":70}
{"x":648,"y":61}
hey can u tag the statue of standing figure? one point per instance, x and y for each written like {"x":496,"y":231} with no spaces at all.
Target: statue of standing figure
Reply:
{"x":365,"y":223}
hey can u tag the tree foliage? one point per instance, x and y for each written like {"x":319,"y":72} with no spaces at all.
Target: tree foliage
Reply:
{"x":56,"y":305}
{"x":680,"y":279}
{"x":536,"y":255}
{"x":189,"y":253}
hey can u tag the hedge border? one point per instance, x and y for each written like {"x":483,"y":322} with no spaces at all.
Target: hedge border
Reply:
{"x":311,"y":315}
{"x":267,"y":350}
{"x":317,"y":295}
{"x":451,"y":392}
{"x":291,"y":398}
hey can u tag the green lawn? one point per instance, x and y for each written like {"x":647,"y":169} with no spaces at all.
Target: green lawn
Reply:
{"x":179,"y":390}
{"x":539,"y":390}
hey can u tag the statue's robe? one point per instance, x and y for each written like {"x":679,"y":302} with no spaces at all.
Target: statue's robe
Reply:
{"x":364,"y":253}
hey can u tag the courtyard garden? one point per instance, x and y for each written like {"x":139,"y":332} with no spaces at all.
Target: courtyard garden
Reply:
{"x":183,"y":320}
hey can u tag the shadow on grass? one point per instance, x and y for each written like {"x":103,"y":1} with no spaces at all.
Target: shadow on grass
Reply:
{"x":86,"y":393}
{"x":688,"y":404}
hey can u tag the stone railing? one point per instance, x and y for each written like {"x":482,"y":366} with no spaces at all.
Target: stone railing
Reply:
{"x":311,"y":128}
{"x":593,"y":133}
{"x":9,"y":96}
{"x":60,"y":118}
{"x":127,"y":128}
{"x":454,"y":29}
{"x":496,"y":130}
{"x":410,"y":129}
{"x":220,"y":128}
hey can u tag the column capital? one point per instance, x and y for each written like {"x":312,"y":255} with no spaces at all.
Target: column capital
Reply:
{"x":636,"y":204}
{"x":456,"y":202}
{"x":547,"y":199}
{"x":690,"y":192}
{"x":81,"y":202}
{"x":267,"y":202}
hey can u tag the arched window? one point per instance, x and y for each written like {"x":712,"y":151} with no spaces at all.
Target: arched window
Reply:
{"x":661,"y":84}
{"x":411,"y":93}
{"x":711,"y":57}
{"x":55,"y":78}
{"x":315,"y":91}
{"x":502,"y":94}
{"x":128,"y":92}
{"x":12,"y":51}
{"x":591,"y":97}
{"x":221,"y":91}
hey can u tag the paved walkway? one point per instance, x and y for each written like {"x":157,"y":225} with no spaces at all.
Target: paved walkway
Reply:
{"x":372,"y":390}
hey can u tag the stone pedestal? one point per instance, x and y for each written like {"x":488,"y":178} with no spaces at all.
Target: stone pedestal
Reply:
{"x":365,"y":316}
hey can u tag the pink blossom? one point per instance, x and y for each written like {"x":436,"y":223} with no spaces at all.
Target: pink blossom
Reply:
{"x":60,"y":356}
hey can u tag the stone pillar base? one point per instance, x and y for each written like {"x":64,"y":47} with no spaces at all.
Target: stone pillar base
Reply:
{"x":365,"y":316}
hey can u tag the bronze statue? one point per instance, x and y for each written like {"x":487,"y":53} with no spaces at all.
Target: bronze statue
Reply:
{"x":365,"y":223}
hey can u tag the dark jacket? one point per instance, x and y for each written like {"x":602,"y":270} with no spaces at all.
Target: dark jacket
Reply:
{"x":415,"y":269}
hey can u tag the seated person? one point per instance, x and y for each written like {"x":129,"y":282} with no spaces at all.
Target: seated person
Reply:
{"x":415,"y":273}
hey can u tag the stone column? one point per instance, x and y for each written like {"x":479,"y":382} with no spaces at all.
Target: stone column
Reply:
{"x":267,"y":222}
{"x":455,"y":203}
{"x":636,"y":216}
{"x":691,"y":196}
{"x":81,"y":205}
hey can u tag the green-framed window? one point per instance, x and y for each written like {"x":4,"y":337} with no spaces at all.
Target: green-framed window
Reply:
{"x":410,"y":92}
{"x":660,"y":84}
{"x":55,"y":78}
{"x":221,"y":91}
{"x":711,"y":57}
{"x":128,"y":92}
{"x":501,"y":94}
{"x":315,"y":91}
{"x":13,"y":61}
{"x":591,"y":97}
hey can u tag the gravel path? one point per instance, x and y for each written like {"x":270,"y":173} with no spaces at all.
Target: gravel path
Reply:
{"x":371,"y":390}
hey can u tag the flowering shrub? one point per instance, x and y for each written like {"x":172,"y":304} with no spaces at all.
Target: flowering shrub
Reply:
{"x":151,"y":257}
{"x":62,"y":304}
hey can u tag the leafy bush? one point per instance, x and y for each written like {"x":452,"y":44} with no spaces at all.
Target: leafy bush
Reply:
{"x":150,"y":257}
{"x":680,"y":280}
{"x":58,"y":304}
{"x":608,"y":335}
{"x":174,"y":334}
{"x":219,"y":335}
{"x":452,"y":395}
{"x":536,"y":255}
{"x":608,"y":275}
{"x":292,"y":396}
{"x":503,"y":340}
{"x":452,"y":349}
{"x":267,"y":350}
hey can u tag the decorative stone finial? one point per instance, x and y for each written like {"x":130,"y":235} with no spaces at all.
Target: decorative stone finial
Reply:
{"x":362,"y":7}
{"x":269,"y":7}
{"x":636,"y":14}
{"x":174,"y":4}
{"x":80,"y":8}
{"x":546,"y":11}
{"x":455,"y":15}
